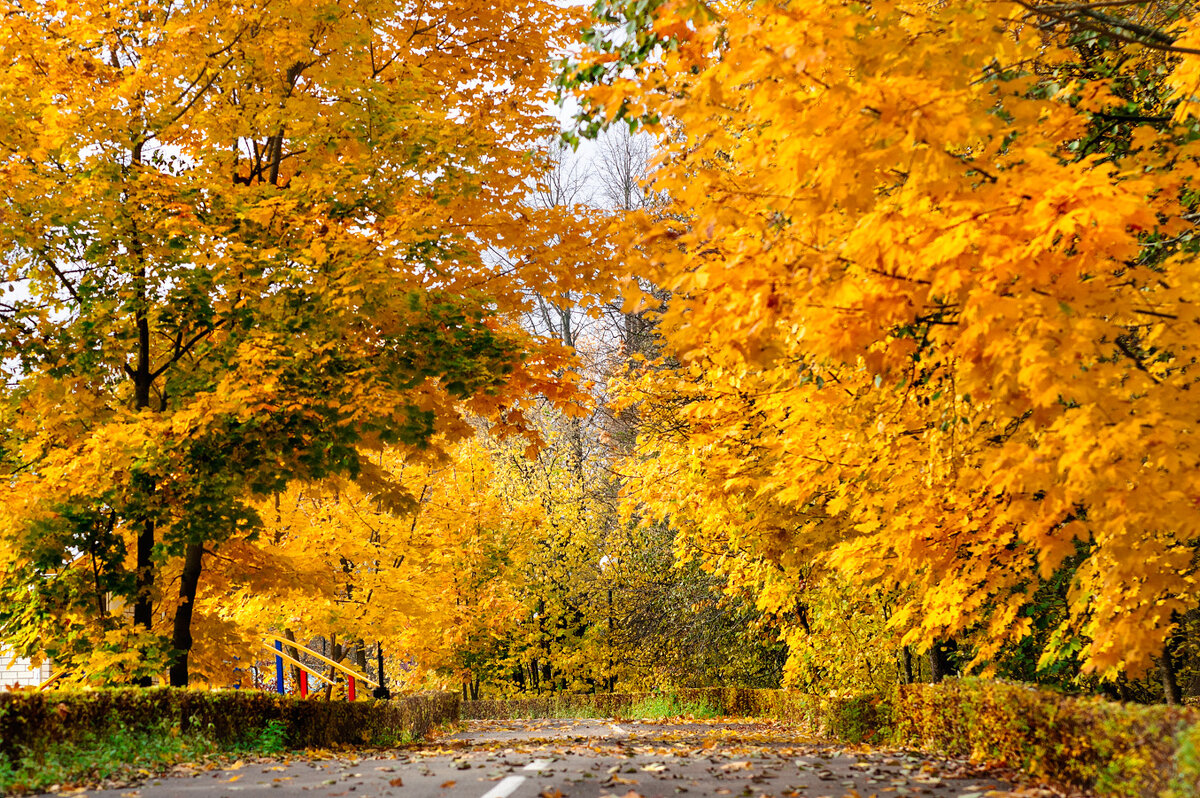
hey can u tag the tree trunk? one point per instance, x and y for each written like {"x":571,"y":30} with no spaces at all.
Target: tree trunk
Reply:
{"x":1169,"y":665}
{"x":381,"y":692}
{"x":143,"y":606}
{"x":939,"y":661}
{"x":294,"y":653}
{"x":906,"y":665}
{"x":143,"y":379}
{"x":335,"y":654}
{"x":1170,"y":681}
{"x":181,"y":637}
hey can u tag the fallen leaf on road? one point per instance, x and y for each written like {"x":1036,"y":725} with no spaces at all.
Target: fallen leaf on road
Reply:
{"x":552,"y":792}
{"x":397,"y":782}
{"x":737,"y":766}
{"x":233,"y":778}
{"x":448,"y":784}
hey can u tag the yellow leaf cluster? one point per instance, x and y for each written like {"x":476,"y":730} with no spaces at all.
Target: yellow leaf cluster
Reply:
{"x":918,"y":333}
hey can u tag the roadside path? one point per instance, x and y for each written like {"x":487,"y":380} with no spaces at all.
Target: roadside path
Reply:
{"x":596,"y":759}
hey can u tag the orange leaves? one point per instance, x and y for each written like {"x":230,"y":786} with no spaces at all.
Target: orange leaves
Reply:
{"x":924,"y":330}
{"x":262,"y":242}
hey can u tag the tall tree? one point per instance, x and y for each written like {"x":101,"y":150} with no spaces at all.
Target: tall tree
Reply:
{"x":933,"y":307}
{"x":242,"y":245}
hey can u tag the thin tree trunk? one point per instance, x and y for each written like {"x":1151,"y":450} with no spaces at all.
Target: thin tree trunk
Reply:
{"x":294,"y":653}
{"x":335,"y":654}
{"x":1169,"y":666}
{"x":181,"y":638}
{"x":906,"y":664}
{"x":143,"y":607}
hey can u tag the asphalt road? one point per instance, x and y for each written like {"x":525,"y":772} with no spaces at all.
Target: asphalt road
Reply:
{"x":594,"y":759}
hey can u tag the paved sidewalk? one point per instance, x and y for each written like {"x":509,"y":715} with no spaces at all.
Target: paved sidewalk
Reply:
{"x":599,"y":759}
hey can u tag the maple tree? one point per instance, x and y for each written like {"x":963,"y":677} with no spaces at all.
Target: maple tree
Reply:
{"x":245,"y":246}
{"x":932,"y":315}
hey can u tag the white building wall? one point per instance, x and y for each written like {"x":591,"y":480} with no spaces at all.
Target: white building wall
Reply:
{"x":19,"y":671}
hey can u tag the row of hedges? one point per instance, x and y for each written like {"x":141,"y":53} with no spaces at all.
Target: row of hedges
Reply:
{"x":1082,"y":743}
{"x":29,"y":721}
{"x":859,"y":719}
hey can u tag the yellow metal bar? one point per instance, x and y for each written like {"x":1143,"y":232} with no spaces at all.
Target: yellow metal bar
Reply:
{"x":326,"y":660}
{"x":51,"y":680}
{"x":288,"y":658}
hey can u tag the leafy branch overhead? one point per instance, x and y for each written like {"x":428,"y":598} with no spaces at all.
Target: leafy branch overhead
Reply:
{"x":933,"y":312}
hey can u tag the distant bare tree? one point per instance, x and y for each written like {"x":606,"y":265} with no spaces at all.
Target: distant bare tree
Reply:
{"x":565,"y":182}
{"x":623,"y":169}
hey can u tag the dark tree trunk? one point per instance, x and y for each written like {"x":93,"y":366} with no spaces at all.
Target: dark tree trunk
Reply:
{"x":381,"y":692}
{"x":294,"y":653}
{"x":939,"y":661}
{"x":1170,"y":665}
{"x":181,"y":637}
{"x":906,"y":665}
{"x":143,"y":379}
{"x":143,"y":607}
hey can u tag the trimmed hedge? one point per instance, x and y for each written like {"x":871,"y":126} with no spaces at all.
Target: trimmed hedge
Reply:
{"x":29,"y":721}
{"x":1088,"y":743}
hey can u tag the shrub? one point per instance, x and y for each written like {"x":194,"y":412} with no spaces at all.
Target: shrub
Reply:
{"x":1086,"y":743}
{"x":29,"y":722}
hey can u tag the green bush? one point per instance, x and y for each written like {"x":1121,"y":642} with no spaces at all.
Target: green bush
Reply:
{"x":33,"y":723}
{"x":670,"y":705}
{"x":93,"y":757}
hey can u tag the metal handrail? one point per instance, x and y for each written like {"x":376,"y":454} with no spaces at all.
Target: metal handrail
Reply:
{"x":326,"y":660}
{"x":297,"y":662}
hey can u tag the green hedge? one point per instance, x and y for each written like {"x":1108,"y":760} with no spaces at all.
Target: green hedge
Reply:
{"x":858,"y":719}
{"x":30,"y":721}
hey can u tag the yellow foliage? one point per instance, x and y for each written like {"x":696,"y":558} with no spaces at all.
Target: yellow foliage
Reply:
{"x":919,"y":334}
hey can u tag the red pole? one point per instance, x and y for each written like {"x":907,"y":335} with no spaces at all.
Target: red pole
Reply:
{"x":350,"y":689}
{"x":304,"y":684}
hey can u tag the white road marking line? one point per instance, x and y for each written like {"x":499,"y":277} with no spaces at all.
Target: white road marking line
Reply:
{"x":505,"y":788}
{"x":538,"y":764}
